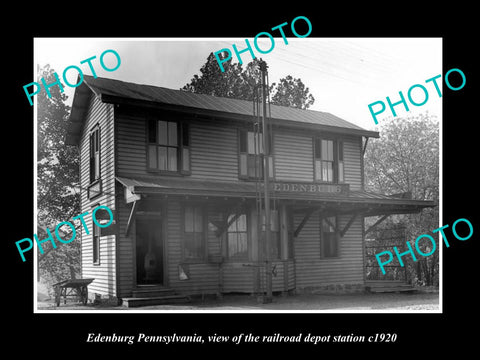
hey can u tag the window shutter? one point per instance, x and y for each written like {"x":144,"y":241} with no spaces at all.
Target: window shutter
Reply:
{"x":185,"y":146}
{"x":341,"y":175}
{"x":242,"y":154}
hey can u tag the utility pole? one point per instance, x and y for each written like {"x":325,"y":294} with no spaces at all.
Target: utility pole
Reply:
{"x":266,"y":188}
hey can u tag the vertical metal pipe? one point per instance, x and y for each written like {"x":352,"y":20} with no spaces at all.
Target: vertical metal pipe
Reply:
{"x":266,"y":171}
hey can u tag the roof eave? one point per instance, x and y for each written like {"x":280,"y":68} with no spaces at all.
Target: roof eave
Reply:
{"x":77,"y":113}
{"x":114,"y":99}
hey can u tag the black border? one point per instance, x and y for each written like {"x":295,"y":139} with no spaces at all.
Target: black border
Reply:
{"x":417,"y":333}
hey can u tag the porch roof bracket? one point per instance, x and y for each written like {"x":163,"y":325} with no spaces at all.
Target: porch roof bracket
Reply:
{"x":364,"y":148}
{"x":376,"y":224}
{"x":131,"y":218}
{"x":347,"y":226}
{"x":237,"y":211}
{"x":303,"y":222}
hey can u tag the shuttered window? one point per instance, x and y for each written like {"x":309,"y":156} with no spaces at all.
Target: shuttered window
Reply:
{"x":340,"y":168}
{"x":328,"y":160}
{"x":251,"y":156}
{"x":168,"y":146}
{"x":95,"y":154}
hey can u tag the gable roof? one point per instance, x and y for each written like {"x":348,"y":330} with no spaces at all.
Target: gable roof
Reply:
{"x":118,"y":92}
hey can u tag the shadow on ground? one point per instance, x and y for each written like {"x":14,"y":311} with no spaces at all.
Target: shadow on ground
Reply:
{"x":418,"y":301}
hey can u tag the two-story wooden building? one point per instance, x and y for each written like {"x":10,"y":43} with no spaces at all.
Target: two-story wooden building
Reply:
{"x":180,"y":172}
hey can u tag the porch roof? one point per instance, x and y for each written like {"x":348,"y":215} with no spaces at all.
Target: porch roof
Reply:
{"x":353,"y":201}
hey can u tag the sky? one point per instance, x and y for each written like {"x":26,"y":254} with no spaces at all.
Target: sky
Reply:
{"x":344,"y":75}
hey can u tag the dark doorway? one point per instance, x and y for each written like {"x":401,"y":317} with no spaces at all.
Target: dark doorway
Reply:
{"x":149,"y":246}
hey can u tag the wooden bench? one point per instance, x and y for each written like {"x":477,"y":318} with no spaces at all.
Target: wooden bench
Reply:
{"x":72,"y":287}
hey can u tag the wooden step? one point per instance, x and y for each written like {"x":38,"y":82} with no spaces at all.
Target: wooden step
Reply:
{"x":155,"y":300}
{"x":392,"y":289}
{"x":153,"y":291}
{"x":383,"y":286}
{"x":144,"y":295}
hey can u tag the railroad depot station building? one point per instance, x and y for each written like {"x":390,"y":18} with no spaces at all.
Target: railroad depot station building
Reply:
{"x":183,"y":176}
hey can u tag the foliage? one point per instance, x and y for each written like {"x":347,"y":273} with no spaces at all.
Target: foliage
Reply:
{"x":292,"y":92}
{"x":57,"y":181}
{"x":406,"y":159}
{"x":239,"y":83}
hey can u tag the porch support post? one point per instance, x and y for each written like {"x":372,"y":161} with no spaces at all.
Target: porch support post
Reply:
{"x":283,"y":231}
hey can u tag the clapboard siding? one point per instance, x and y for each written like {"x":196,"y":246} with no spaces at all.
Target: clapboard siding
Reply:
{"x":312,"y":270}
{"x":238,"y":278}
{"x":131,"y":146}
{"x":250,"y":277}
{"x":293,"y":157}
{"x":103,"y":273}
{"x":214,"y":151}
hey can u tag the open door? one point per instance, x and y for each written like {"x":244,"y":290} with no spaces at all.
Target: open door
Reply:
{"x":149,"y":251}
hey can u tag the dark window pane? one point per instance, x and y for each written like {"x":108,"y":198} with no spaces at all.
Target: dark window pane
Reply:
{"x":243,"y":141}
{"x":185,"y":135}
{"x":318,"y":149}
{"x":318,"y":169}
{"x":97,"y":140}
{"x":329,"y":245}
{"x":152,"y":131}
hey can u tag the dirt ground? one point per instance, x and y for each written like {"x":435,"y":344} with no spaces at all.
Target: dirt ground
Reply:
{"x":404,"y":302}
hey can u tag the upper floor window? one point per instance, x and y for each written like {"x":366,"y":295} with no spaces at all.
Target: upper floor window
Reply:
{"x":251,"y":155}
{"x":328,"y":164}
{"x":95,"y":154}
{"x":168,"y":146}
